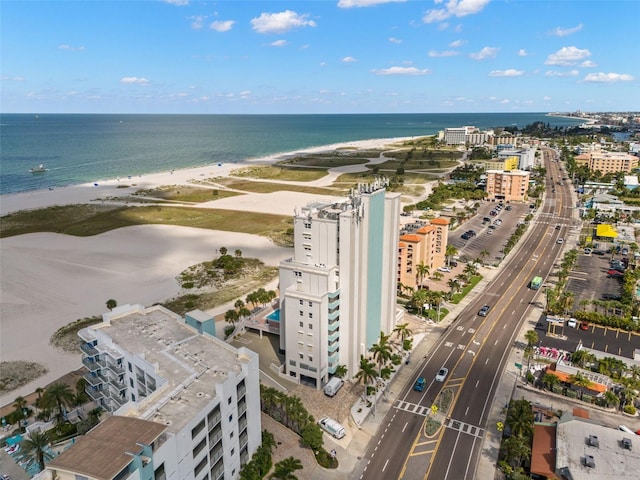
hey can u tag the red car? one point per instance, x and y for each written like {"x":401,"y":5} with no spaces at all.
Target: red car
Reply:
{"x":614,"y":273}
{"x":584,"y":326}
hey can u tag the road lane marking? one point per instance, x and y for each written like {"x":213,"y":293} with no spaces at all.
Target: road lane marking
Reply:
{"x":405,"y":426}
{"x":385,"y":464}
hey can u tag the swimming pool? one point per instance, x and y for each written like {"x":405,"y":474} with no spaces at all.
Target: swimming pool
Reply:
{"x":274,"y":316}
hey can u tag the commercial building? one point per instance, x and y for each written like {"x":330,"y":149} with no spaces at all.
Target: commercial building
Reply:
{"x":421,"y":243}
{"x":458,"y":135}
{"x":185,"y":404}
{"x":338,"y":292}
{"x":507,"y":185}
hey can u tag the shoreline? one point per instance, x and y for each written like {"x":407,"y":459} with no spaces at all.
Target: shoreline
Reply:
{"x":49,"y":280}
{"x":101,"y":190}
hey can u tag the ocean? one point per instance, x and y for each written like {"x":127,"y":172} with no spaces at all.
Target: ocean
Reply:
{"x":83,"y":148}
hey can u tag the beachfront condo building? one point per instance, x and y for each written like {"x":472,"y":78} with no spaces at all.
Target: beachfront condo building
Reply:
{"x":182,"y":404}
{"x":338,"y":291}
{"x":421,"y":243}
{"x":507,"y":185}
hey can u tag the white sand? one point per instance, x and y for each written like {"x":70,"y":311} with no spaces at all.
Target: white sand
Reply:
{"x":48,"y":280}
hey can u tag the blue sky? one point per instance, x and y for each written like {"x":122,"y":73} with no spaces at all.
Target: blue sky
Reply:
{"x":322,"y":56}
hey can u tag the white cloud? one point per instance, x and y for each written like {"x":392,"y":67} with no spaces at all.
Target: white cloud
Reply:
{"x":522,"y":52}
{"x":504,"y":101}
{"x":224,"y":26}
{"x":486,"y":52}
{"x":278,"y":43}
{"x":456,"y":44}
{"x":454,"y":8}
{"x":134,"y":81}
{"x":11,"y":79}
{"x":563,"y":32}
{"x":567,"y":56}
{"x":395,"y":40}
{"x":179,"y":3}
{"x":69,"y":47}
{"x":197,"y":22}
{"x":349,"y":60}
{"x":280,"y":22}
{"x":546,"y":98}
{"x":554,"y":73}
{"x":408,"y":71}
{"x":245,"y":94}
{"x":511,"y":72}
{"x":364,"y":3}
{"x":601,"y":77}
{"x":588,"y":64}
{"x":445,"y":53}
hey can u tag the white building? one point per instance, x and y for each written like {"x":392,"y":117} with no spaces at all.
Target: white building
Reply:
{"x":458,"y":135}
{"x":526,"y":157}
{"x":338,"y":292}
{"x":186,"y":404}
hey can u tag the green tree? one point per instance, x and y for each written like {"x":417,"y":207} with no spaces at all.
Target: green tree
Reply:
{"x":450,"y":252}
{"x":580,"y":381}
{"x":232,"y":316}
{"x":422,"y":270}
{"x":367,"y":373}
{"x":111,"y":304}
{"x":549,"y":380}
{"x":284,"y":469}
{"x":341,"y":371}
{"x":517,"y":449}
{"x":58,"y":396}
{"x":520,"y":417}
{"x":381,"y":350}
{"x":531,"y":337}
{"x":402,"y":331}
{"x":34,"y":448}
{"x":312,"y":436}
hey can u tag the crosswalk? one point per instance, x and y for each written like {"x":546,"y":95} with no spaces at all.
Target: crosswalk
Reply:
{"x":452,"y":424}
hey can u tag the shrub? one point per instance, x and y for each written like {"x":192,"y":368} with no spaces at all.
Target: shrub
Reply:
{"x":629,"y":409}
{"x":228,"y":330}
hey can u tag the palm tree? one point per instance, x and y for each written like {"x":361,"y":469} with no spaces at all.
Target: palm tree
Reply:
{"x":484,"y":254}
{"x":382,"y":350}
{"x":580,"y":381}
{"x":422,"y":271}
{"x":450,"y":251}
{"x":284,"y":469}
{"x":531,"y":337}
{"x":402,"y":331}
{"x":453,"y":285}
{"x":437,"y":276}
{"x":58,"y":395}
{"x":34,"y":448}
{"x":238,"y":253}
{"x":231,"y":316}
{"x":20,"y":404}
{"x":611,"y":399}
{"x":549,"y":380}
{"x":517,"y":449}
{"x":520,"y":417}
{"x":341,"y":371}
{"x":239,"y":304}
{"x":419,"y":298}
{"x":579,"y":357}
{"x":111,"y":304}
{"x":367,"y":373}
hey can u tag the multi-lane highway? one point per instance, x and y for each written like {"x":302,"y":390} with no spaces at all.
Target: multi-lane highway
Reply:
{"x":474,"y":349}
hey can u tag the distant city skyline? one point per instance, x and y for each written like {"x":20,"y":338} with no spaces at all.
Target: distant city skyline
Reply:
{"x":332,"y":56}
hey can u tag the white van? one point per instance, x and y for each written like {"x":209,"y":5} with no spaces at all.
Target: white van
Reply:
{"x":332,"y":386}
{"x":332,"y":427}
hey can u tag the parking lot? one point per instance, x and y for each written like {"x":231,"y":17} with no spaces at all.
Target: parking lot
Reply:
{"x":501,"y":227}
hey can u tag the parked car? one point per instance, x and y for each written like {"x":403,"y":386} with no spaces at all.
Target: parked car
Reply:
{"x":508,"y":208}
{"x":419,"y":385}
{"x":444,"y":269}
{"x":560,"y":241}
{"x":484,"y":311}
{"x":614,"y":273}
{"x":588,"y":251}
{"x":584,"y":326}
{"x":558,"y":227}
{"x":442,"y":374}
{"x":598,"y":252}
{"x":453,"y":263}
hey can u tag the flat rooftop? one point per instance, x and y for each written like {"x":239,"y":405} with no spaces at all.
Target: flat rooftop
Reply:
{"x":190,"y":363}
{"x":611,"y":460}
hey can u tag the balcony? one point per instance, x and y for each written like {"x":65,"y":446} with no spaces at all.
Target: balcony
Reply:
{"x":333,"y":346}
{"x":114,"y":367}
{"x":216,"y":455}
{"x":334,"y":324}
{"x":244,"y":439}
{"x":215,"y":436}
{"x":334,"y":336}
{"x":242,"y":407}
{"x":95,"y":380}
{"x":89,"y":349}
{"x":95,"y":394}
{"x":91,"y":365}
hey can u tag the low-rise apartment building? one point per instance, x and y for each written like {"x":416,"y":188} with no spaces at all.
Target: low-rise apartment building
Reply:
{"x":185,"y":404}
{"x":608,"y":162}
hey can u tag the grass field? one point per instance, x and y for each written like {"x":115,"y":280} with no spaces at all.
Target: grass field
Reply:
{"x":271,"y":172}
{"x":268,"y":187}
{"x":185,"y":193}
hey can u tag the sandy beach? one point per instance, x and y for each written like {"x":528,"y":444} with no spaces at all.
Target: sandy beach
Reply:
{"x":49,"y":280}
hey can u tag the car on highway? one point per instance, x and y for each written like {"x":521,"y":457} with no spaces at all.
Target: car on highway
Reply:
{"x":442,"y":374}
{"x":484,"y":311}
{"x":444,"y":269}
{"x":558,"y":227}
{"x":420,"y":383}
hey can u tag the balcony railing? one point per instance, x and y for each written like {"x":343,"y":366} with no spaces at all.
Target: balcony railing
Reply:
{"x":91,"y":365}
{"x":242,"y":408}
{"x":95,"y":380}
{"x":96,"y":395}
{"x":241,"y":391}
{"x":114,"y":367}
{"x":89,"y":349}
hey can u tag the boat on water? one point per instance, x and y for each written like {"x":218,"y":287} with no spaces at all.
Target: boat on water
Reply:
{"x":39,"y":169}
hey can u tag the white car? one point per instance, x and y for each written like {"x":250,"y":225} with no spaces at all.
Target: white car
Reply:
{"x":442,"y":374}
{"x":560,"y":241}
{"x":444,"y":269}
